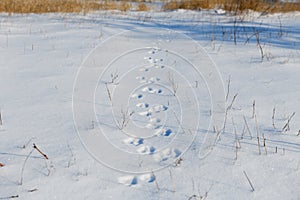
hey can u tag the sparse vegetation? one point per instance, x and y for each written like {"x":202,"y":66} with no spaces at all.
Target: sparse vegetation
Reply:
{"x":172,"y":83}
{"x":125,"y":118}
{"x":27,"y":157}
{"x":240,"y":115}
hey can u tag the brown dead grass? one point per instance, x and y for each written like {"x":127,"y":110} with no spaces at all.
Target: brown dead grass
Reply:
{"x":233,"y":5}
{"x":142,"y":7}
{"x":64,"y":6}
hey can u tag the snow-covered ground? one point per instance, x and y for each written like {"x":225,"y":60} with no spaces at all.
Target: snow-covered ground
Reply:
{"x":95,"y":93}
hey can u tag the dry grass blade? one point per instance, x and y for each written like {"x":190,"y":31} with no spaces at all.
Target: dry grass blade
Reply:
{"x":228,"y":88}
{"x":247,"y":127}
{"x":273,"y":118}
{"x":36,"y":148}
{"x":156,"y":183}
{"x":10,"y":197}
{"x":249,"y":181}
{"x":23,"y":167}
{"x":253,"y":109}
{"x":108,"y":93}
{"x":1,"y":119}
{"x":287,"y":125}
{"x":231,"y":104}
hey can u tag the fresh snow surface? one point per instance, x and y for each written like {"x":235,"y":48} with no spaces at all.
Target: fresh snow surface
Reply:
{"x":57,"y":68}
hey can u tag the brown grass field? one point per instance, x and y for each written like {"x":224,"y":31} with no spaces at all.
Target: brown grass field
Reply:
{"x":236,"y":6}
{"x":65,"y":6}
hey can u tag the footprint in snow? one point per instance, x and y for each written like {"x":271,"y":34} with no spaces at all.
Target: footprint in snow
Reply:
{"x":153,"y":60}
{"x":155,"y":123}
{"x":153,"y":126}
{"x":152,"y":90}
{"x":145,"y":113}
{"x":153,"y":79}
{"x":147,"y":178}
{"x":167,"y":154}
{"x":128,"y":180}
{"x":146,"y":150}
{"x":158,"y":108}
{"x":134,"y":141}
{"x":142,"y":105}
{"x":135,"y":180}
{"x":143,"y":79}
{"x":166,"y":133}
{"x":155,"y":120}
{"x":153,"y":109}
{"x":145,"y":69}
{"x":137,"y":96}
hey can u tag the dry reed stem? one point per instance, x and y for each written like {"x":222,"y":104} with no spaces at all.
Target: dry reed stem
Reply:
{"x":36,"y":148}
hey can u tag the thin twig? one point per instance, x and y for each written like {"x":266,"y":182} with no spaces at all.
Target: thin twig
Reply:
{"x":1,"y":119}
{"x":10,"y":197}
{"x":236,"y":150}
{"x":233,"y":99}
{"x":225,"y":120}
{"x":27,"y":143}
{"x":23,"y":167}
{"x":172,"y":180}
{"x":108,"y":93}
{"x":258,"y":145}
{"x":228,"y":88}
{"x":265,"y":146}
{"x":36,"y":148}
{"x":155,"y":181}
{"x":253,"y":109}
{"x":172,"y":82}
{"x":114,"y":76}
{"x":125,"y":119}
{"x":273,"y":118}
{"x":247,"y":127}
{"x":235,"y":133}
{"x":32,"y":190}
{"x":218,"y":136}
{"x":243,"y":132}
{"x":259,"y":45}
{"x":287,"y":125}
{"x":249,"y":181}
{"x":256,"y":125}
{"x":227,"y":110}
